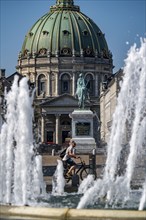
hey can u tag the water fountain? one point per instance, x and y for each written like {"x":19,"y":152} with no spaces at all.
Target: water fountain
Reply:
{"x":129,"y":126}
{"x":21,"y":179}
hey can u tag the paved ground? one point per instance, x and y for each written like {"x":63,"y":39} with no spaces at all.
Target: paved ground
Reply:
{"x":50,"y":162}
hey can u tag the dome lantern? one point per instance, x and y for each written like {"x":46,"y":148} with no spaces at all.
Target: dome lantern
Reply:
{"x":65,"y":2}
{"x":65,"y":5}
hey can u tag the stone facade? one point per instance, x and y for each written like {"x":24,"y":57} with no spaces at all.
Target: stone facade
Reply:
{"x":53,"y":77}
{"x":108,"y":99}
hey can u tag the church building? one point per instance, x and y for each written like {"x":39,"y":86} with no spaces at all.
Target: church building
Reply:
{"x":62,"y":44}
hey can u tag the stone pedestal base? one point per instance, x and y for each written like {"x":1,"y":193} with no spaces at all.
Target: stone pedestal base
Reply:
{"x":82,"y":131}
{"x":85,"y":145}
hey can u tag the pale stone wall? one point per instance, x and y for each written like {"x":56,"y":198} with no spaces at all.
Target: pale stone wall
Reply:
{"x":108,"y":101}
{"x":53,"y":67}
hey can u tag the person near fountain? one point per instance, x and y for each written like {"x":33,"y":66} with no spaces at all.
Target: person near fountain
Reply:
{"x":67,"y":159}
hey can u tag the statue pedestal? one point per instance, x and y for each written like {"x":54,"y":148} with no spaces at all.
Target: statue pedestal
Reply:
{"x":82,"y":130}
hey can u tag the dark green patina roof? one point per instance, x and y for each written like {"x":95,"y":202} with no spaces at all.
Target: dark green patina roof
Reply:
{"x":64,"y":30}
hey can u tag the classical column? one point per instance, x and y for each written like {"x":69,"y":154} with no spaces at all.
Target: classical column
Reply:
{"x":43,"y":129}
{"x":37,"y":86}
{"x":57,"y":128}
{"x":49,"y":83}
{"x":96,"y":84}
{"x":73,"y":83}
{"x":56,"y":84}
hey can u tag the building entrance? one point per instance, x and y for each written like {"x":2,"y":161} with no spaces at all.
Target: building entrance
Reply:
{"x":65,"y":134}
{"x":50,"y":136}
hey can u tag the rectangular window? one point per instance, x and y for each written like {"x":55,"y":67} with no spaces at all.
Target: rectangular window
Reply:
{"x":65,"y":86}
{"x":42,"y":86}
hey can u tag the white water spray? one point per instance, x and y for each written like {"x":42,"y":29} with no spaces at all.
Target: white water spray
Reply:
{"x":58,"y":181}
{"x":128,"y":133}
{"x":19,"y":163}
{"x":86,"y":184}
{"x":143,"y":198}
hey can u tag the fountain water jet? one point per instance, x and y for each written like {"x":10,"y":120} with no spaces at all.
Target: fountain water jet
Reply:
{"x":58,"y":181}
{"x":86,"y":184}
{"x":20,"y":176}
{"x":127,"y":134}
{"x":143,"y":198}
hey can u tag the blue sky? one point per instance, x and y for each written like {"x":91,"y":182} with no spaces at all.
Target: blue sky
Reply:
{"x":122,"y":21}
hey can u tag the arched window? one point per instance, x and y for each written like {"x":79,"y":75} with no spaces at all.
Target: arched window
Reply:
{"x":41,"y":85}
{"x":90,"y":84}
{"x":65,"y":83}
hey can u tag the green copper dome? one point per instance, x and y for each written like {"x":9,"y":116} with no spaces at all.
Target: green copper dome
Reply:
{"x":65,"y":31}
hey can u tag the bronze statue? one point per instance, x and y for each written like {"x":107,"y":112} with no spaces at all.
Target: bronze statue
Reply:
{"x":81,"y":91}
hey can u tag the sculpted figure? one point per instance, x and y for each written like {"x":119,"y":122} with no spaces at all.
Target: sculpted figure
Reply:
{"x":81,"y":91}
